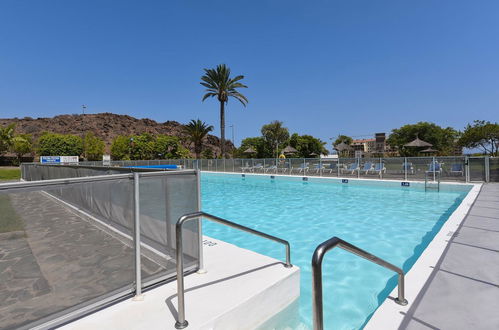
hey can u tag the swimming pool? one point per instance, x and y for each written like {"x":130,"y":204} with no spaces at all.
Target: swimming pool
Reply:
{"x":393,"y":222}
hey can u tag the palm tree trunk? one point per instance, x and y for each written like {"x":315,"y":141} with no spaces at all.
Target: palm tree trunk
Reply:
{"x":222,"y":129}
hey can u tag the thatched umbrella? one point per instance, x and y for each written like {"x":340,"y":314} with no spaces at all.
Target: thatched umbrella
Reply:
{"x":289,"y":150}
{"x":250,"y":150}
{"x":417,"y":143}
{"x":429,"y":150}
{"x":313,"y":154}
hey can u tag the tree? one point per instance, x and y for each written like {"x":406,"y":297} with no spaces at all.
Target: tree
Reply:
{"x":259,"y":144}
{"x":6,"y":138}
{"x":343,"y":138}
{"x":196,"y":131}
{"x":207,"y":153}
{"x":275,"y":134}
{"x":169,"y":147}
{"x":482,"y":134}
{"x":219,"y":84}
{"x":93,"y":147}
{"x":120,"y":148}
{"x":52,"y":144}
{"x":307,"y":145}
{"x":22,"y":144}
{"x":142,"y":147}
{"x":442,"y":139}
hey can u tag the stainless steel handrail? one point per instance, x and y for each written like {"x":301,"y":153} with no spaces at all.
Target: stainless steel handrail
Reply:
{"x":319,"y":253}
{"x":181,"y":321}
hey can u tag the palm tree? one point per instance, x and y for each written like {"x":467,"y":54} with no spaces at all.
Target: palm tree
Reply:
{"x":219,"y":83}
{"x":196,"y":131}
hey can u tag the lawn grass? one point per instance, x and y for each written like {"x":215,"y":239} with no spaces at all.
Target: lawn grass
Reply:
{"x":9,"y":220}
{"x":10,"y":174}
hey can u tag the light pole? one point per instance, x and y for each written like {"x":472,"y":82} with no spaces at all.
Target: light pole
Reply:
{"x":232,"y":126}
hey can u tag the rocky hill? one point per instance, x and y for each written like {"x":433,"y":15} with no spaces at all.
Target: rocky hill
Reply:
{"x":105,"y":125}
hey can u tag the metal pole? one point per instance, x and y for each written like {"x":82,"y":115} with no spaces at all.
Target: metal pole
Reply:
{"x":467,"y":168}
{"x":181,"y":321}
{"x":201,"y":269}
{"x":358,"y":167}
{"x":136,"y":238}
{"x":487,"y":168}
{"x":434,"y":169}
{"x":405,"y":168}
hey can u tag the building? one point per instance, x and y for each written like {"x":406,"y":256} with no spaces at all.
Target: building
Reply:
{"x":373,"y":147}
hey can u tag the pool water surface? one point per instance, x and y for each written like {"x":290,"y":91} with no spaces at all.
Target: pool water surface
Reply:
{"x":393,"y":223}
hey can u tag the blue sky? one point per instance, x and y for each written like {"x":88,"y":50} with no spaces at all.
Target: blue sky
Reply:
{"x":323,"y":67}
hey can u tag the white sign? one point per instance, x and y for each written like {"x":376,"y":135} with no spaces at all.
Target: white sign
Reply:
{"x":106,"y":160}
{"x":59,"y":159}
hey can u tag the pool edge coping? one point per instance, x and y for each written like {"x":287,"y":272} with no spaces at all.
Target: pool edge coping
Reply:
{"x":390,"y":315}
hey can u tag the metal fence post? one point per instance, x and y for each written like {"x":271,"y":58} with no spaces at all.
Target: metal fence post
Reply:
{"x":405,"y":168}
{"x":358,"y":167}
{"x":487,"y":168}
{"x":381,"y":168}
{"x":467,"y":168}
{"x":433,"y":168}
{"x":136,"y":236}
{"x":338,"y":167}
{"x":320,"y":166}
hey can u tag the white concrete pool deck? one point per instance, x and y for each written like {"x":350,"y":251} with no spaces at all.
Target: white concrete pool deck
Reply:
{"x":461,"y":290}
{"x":240,"y":290}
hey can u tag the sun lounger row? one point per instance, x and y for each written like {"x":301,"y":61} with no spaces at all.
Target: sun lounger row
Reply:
{"x":352,"y":168}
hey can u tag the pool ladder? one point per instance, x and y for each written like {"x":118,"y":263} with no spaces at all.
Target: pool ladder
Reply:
{"x":181,"y":321}
{"x":317,"y":258}
{"x":436,"y":178}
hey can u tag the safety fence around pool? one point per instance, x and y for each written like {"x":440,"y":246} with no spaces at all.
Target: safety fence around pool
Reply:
{"x":75,"y":239}
{"x":456,"y":168}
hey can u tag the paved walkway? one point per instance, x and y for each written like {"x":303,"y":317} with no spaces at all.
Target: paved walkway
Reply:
{"x":463,"y":290}
{"x":59,"y":260}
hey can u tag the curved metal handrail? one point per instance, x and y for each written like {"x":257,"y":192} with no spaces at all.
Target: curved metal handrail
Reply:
{"x":181,"y":321}
{"x":317,"y":258}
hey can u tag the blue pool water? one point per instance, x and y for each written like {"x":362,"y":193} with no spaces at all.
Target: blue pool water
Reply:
{"x":394,"y":223}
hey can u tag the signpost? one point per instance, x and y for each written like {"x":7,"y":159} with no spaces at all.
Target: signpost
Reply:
{"x":59,"y":159}
{"x":106,"y":160}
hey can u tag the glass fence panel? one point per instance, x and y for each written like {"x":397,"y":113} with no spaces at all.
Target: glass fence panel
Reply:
{"x":55,"y":259}
{"x":238,"y":165}
{"x":270,"y":166}
{"x":494,"y":169}
{"x":329,"y":167}
{"x":420,"y":167}
{"x":297,"y":166}
{"x":371,"y":168}
{"x":476,"y":168}
{"x":349,"y":167}
{"x":396,"y":168}
{"x":451,"y":168}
